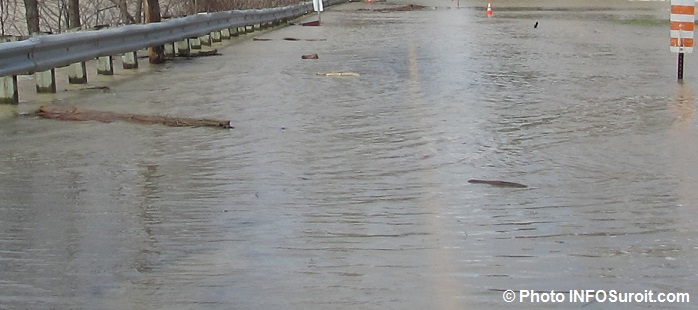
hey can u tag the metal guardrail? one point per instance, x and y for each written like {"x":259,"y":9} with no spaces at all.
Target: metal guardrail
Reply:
{"x":51,"y":51}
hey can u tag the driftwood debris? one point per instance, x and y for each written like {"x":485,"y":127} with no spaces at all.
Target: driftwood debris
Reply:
{"x":297,"y":39}
{"x":498,"y":183}
{"x":213,"y":52}
{"x":78,"y":114}
{"x":312,"y":23}
{"x":310,"y":56}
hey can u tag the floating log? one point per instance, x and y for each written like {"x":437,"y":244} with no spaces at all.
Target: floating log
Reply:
{"x":297,"y":39}
{"x":312,"y":23}
{"x":310,"y":56}
{"x":498,"y":183}
{"x":78,"y":114}
{"x":205,"y":53}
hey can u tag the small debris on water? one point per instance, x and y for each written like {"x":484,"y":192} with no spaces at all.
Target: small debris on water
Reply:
{"x":339,"y":74}
{"x":498,"y":183}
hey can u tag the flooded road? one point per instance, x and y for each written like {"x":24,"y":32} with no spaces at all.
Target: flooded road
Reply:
{"x":352,"y":192}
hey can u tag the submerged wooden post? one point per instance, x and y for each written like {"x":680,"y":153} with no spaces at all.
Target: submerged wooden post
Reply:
{"x":105,"y":65}
{"x":77,"y":73}
{"x":8,"y":90}
{"x":130,"y":60}
{"x":45,"y":81}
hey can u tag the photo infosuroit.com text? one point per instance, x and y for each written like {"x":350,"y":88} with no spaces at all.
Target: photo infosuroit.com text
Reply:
{"x":589,"y":295}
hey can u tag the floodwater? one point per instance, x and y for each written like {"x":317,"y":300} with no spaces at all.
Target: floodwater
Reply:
{"x":352,"y":192}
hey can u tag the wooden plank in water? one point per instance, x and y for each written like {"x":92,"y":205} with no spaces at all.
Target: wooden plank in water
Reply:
{"x":78,"y":114}
{"x":498,"y":183}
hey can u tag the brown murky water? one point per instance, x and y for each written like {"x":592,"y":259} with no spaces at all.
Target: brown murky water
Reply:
{"x":352,"y":192}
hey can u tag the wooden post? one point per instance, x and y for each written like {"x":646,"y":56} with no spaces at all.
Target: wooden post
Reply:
{"x":105,"y":65}
{"x":77,"y":73}
{"x":45,"y":81}
{"x":205,"y":40}
{"x":225,"y":34}
{"x":195,"y":43}
{"x":156,"y":54}
{"x":130,"y":60}
{"x":169,"y":50}
{"x":216,"y":36}
{"x":8,"y":90}
{"x":183,"y":48}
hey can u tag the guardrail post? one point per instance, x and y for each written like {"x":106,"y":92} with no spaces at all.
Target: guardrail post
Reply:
{"x":183,"y":48}
{"x":195,"y":43}
{"x":130,"y":60}
{"x":206,"y":40}
{"x":77,"y":73}
{"x":45,"y":81}
{"x":257,"y":27}
{"x":234,"y":31}
{"x":105,"y":65}
{"x":169,"y":50}
{"x":9,"y":93}
{"x":8,"y":90}
{"x":249,"y":29}
{"x":225,"y":34}
{"x":216,"y":36}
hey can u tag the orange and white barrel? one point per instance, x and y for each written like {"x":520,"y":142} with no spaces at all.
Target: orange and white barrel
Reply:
{"x":683,"y":23}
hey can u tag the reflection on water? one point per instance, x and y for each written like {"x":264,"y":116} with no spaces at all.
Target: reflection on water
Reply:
{"x":352,"y":192}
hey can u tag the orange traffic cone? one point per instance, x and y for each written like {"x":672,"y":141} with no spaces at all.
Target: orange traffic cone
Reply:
{"x":489,"y":9}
